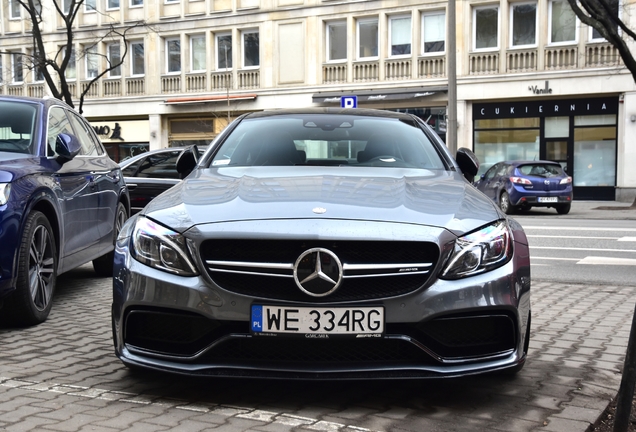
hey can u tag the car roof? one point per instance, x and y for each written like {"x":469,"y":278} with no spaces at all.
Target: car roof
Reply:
{"x":527,"y":162}
{"x":46,"y":101}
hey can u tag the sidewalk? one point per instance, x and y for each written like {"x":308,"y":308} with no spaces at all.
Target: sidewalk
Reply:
{"x":590,"y":210}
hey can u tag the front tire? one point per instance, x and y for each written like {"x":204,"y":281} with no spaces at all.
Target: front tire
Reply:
{"x":505,"y":205}
{"x":103,"y":265}
{"x":31,"y":302}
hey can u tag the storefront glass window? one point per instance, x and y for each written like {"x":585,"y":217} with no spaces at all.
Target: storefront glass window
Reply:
{"x":609,"y":119}
{"x":594,"y":156}
{"x":557,"y":127}
{"x":492,"y":146}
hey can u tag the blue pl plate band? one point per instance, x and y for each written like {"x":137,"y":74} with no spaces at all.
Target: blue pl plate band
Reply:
{"x":257,"y":318}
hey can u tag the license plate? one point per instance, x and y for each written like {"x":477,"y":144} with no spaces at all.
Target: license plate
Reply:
{"x":548,"y":199}
{"x":318,"y":322}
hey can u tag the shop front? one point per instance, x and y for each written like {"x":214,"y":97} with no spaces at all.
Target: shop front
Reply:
{"x":580,"y":134}
{"x":123,"y":138}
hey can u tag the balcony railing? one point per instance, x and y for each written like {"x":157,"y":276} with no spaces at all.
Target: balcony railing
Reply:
{"x":484,"y":63}
{"x":249,"y":79}
{"x":221,"y":80}
{"x":196,"y":82}
{"x":334,"y":73}
{"x":521,"y":61}
{"x":559,"y":58}
{"x":35,"y":90}
{"x":112,"y":88}
{"x":366,"y":71}
{"x":601,"y":55}
{"x":15,"y":90}
{"x":431,"y":67}
{"x":135,"y":86}
{"x":171,"y":84}
{"x":93,"y":90}
{"x":397,"y":69}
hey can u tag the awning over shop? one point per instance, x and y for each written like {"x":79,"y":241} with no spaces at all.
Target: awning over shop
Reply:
{"x":379,"y":95}
{"x":209,"y":99}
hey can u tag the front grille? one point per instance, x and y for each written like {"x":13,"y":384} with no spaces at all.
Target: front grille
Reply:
{"x":372,"y":270}
{"x":317,"y":353}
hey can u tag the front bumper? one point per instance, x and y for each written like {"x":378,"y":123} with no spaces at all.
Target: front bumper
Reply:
{"x":190,"y":325}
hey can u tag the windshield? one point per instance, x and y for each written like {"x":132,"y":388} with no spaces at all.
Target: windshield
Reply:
{"x":17,"y":123}
{"x":541,"y":170}
{"x":327,"y":139}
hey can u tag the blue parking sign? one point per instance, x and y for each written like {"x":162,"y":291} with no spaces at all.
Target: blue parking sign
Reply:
{"x":349,"y":102}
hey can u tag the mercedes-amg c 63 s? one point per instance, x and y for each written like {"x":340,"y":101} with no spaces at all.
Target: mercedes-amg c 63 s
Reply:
{"x":323,"y":243}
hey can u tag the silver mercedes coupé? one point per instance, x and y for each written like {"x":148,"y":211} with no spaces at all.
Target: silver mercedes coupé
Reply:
{"x":323,"y":244}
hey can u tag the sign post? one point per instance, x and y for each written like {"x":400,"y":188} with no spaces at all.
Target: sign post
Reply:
{"x":349,"y":102}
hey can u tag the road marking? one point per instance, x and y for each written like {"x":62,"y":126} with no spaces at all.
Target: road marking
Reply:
{"x":223,"y":410}
{"x":578,"y":228}
{"x":632,"y":239}
{"x":581,"y":249}
{"x":592,"y":260}
{"x":579,"y":237}
{"x":555,"y":258}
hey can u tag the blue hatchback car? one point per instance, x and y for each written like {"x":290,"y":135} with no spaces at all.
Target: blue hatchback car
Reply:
{"x":521,"y":185}
{"x":62,"y":203}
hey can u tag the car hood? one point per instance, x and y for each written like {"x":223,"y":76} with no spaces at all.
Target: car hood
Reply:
{"x":15,"y":165}
{"x":433,"y":198}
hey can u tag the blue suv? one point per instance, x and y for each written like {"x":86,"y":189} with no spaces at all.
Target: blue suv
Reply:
{"x":62,"y":203}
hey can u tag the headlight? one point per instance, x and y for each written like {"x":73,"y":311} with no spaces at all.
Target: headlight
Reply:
{"x":480,"y":251}
{"x":5,"y":189}
{"x":161,"y":248}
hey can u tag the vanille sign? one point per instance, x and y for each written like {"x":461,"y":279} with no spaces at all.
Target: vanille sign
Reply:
{"x":540,"y":91}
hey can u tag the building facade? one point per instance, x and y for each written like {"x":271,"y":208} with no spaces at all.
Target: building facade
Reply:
{"x":532,"y":81}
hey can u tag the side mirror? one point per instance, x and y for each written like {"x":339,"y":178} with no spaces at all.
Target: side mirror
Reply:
{"x":67,"y":146}
{"x":187,"y":160}
{"x":468,"y":163}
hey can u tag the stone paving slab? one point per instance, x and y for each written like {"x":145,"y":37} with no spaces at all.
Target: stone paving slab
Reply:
{"x":63,"y":376}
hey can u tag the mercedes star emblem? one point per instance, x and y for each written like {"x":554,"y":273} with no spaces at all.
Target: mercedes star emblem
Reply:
{"x":318,"y":272}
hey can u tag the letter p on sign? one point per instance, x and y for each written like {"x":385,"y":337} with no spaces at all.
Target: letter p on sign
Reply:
{"x":349,"y":102}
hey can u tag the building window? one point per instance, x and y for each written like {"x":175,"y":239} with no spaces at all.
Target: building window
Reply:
{"x":71,"y":71}
{"x":486,"y":27}
{"x":337,"y":41}
{"x":562,"y":22}
{"x":251,"y":49}
{"x":172,"y":1}
{"x":92,"y":62}
{"x":173,"y":55}
{"x":38,"y":69}
{"x":367,"y":39}
{"x":524,"y":24}
{"x":16,"y":68}
{"x":400,"y":35}
{"x":433,"y":33}
{"x":197,"y":53}
{"x":614,"y":7}
{"x":138,"y":60}
{"x":135,"y":3}
{"x":14,"y":7}
{"x":114,"y":58}
{"x":224,"y":51}
{"x":112,"y":4}
{"x":66,"y":6}
{"x":90,"y":5}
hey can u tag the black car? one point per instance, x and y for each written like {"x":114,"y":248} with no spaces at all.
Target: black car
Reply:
{"x":149,"y":174}
{"x":62,"y":203}
{"x":323,"y":244}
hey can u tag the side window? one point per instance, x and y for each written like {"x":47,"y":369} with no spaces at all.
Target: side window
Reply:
{"x":491,"y":172}
{"x":162,"y":165}
{"x":58,"y":123}
{"x":131,"y":169}
{"x":83,"y":134}
{"x":502,"y":170}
